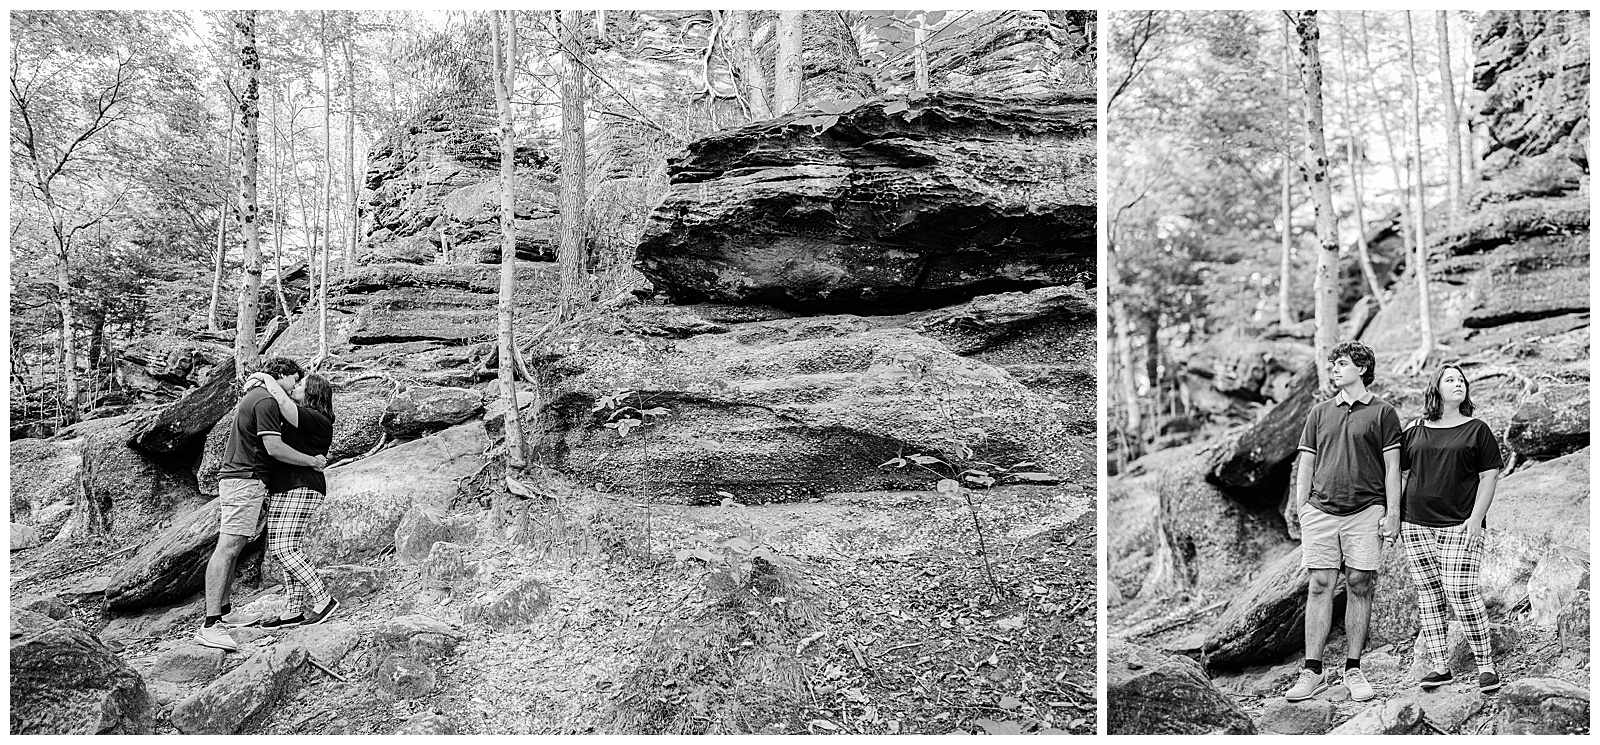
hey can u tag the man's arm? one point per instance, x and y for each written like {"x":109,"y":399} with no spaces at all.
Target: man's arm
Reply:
{"x":286,"y":405}
{"x":1302,"y":480}
{"x":277,"y":449}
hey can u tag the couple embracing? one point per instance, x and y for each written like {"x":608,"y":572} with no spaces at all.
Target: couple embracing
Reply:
{"x":272,"y":469}
{"x":1365,"y":481}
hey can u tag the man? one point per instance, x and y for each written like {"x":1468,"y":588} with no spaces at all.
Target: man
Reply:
{"x":254,"y":444}
{"x":1348,"y":493}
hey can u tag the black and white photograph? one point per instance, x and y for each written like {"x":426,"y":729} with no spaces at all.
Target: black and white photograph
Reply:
{"x":1347,"y":372}
{"x":536,"y":372}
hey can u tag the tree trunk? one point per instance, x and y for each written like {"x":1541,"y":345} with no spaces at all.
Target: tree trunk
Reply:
{"x":277,"y":211}
{"x":1419,"y":210}
{"x":213,"y":316}
{"x":327,"y":193}
{"x":1401,"y":183}
{"x":1124,"y":346}
{"x":919,"y":53}
{"x":1285,"y":316}
{"x":1326,"y":286}
{"x":505,"y":79}
{"x":1452,"y":120}
{"x":1353,"y":122}
{"x":244,"y":344}
{"x":752,"y":79}
{"x":350,"y":151}
{"x":788,"y":65}
{"x":574,"y":164}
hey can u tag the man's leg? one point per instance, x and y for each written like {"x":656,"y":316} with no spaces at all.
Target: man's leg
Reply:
{"x":1319,"y":611}
{"x":220,"y":570}
{"x":1358,"y":585}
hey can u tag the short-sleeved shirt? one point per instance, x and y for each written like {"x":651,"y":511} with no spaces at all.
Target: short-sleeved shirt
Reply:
{"x":1444,"y":463}
{"x":1348,"y":438}
{"x":245,"y":457}
{"x":313,"y":436}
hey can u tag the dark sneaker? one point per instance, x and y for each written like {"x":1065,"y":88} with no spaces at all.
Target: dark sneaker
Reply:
{"x":284,"y":623}
{"x":1488,"y":682}
{"x":1435,"y":679}
{"x":319,"y":617}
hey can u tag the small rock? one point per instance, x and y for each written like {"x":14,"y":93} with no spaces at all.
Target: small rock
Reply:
{"x":1572,"y":625}
{"x":1448,"y":706}
{"x":163,"y":692}
{"x":1542,"y":706}
{"x":327,"y":643}
{"x":513,"y":608}
{"x":405,"y":676}
{"x":418,"y":634}
{"x":447,"y":567}
{"x":428,"y":723}
{"x":1397,"y":716}
{"x":1558,"y":577}
{"x":248,"y":690}
{"x":188,"y":663}
{"x":24,"y":537}
{"x":350,"y":581}
{"x":1150,"y":692}
{"x":47,"y":606}
{"x":1281,"y":717}
{"x":422,"y":526}
{"x":153,"y":622}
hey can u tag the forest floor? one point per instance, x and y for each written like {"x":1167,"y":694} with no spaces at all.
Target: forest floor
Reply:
{"x":874,"y":615}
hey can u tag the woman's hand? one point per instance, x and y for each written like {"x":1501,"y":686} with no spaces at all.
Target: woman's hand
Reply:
{"x":1474,"y":531}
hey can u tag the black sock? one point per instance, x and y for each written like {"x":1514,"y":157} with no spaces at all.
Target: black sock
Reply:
{"x":1314,"y":666}
{"x":227,"y":608}
{"x":1352,"y":663}
{"x":212,"y":621}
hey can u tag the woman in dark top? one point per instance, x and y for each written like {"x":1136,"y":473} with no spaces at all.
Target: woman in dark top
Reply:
{"x":295,"y":495}
{"x":1451,"y":462}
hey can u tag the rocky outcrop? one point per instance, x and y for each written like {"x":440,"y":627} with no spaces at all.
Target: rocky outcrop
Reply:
{"x":44,"y":484}
{"x":786,"y":410}
{"x":1256,"y":467}
{"x":65,"y":681}
{"x":1533,"y":69}
{"x":1542,"y":706}
{"x":1014,"y":52}
{"x":1552,"y":422}
{"x":1266,"y":621}
{"x":431,"y":180}
{"x":169,"y":568}
{"x":167,"y":363}
{"x":894,"y":205}
{"x":1151,"y":693}
{"x":419,"y":411}
{"x":126,"y":494}
{"x":1205,"y":539}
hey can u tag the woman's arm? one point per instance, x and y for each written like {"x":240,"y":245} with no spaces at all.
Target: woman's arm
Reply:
{"x":286,"y":405}
{"x":1480,"y":504}
{"x":280,"y":450}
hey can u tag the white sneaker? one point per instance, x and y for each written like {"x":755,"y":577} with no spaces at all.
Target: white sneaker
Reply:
{"x":1360,"y":688}
{"x":239,"y":618}
{"x":1309,"y":684}
{"x":217,"y":637}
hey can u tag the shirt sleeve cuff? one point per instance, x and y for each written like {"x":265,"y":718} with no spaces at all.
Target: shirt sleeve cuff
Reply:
{"x":1308,"y":449}
{"x":1395,"y":446}
{"x":265,"y":432}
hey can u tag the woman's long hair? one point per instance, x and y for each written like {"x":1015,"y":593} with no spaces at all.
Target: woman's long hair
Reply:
{"x":1433,"y":403}
{"x":319,"y":395}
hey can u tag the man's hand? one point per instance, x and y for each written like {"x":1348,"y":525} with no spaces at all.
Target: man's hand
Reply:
{"x":319,"y":462}
{"x":1391,"y":528}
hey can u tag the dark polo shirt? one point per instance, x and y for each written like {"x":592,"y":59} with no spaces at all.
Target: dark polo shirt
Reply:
{"x":1348,"y":438}
{"x":246,"y":457}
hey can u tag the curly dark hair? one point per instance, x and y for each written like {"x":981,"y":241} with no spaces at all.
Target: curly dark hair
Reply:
{"x":278,"y":367}
{"x":1433,"y":403}
{"x":1360,"y":355}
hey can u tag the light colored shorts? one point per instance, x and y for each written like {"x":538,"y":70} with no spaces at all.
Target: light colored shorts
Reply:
{"x":1329,"y":541}
{"x":242,"y":502}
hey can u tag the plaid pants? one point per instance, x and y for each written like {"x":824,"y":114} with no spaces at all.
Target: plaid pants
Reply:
{"x":1444,"y":569}
{"x":288,"y":518}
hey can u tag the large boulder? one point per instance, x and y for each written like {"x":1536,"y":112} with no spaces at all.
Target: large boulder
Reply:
{"x":1542,"y":706}
{"x":1546,"y":504}
{"x":166,"y":362}
{"x":1011,"y":53}
{"x":170,"y":567}
{"x":366,"y":499}
{"x":44,"y":483}
{"x":181,"y":426}
{"x":786,"y":410}
{"x":421,"y":410}
{"x":1265,"y":622}
{"x":1153,"y":693}
{"x":1256,"y":467}
{"x":1551,"y":422}
{"x":891,"y":204}
{"x":247,"y":692}
{"x":65,"y":681}
{"x":125,"y":493}
{"x":1205,"y":539}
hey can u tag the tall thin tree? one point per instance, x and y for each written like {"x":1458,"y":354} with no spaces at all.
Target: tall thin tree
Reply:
{"x":245,"y":350}
{"x":752,"y":77}
{"x":789,"y":78}
{"x":350,"y":146}
{"x":1285,"y":316}
{"x":327,"y":191}
{"x":1353,"y":154}
{"x":1315,"y":166}
{"x":574,"y":163}
{"x":213,"y":311}
{"x":505,"y":83}
{"x":1419,"y":359}
{"x":1452,"y":118}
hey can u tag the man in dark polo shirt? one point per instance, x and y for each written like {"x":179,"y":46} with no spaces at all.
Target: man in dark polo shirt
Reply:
{"x":1348,"y":492}
{"x":254,"y":444}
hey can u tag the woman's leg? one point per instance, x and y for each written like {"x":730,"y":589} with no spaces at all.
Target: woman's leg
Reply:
{"x":287,"y":523}
{"x":1459,"y":562}
{"x":1422,"y":557}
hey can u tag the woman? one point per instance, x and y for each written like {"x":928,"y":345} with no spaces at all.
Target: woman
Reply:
{"x":296,"y":492}
{"x":1451,"y":462}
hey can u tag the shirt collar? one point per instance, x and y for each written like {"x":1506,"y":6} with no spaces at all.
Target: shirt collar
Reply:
{"x":1344,"y":398}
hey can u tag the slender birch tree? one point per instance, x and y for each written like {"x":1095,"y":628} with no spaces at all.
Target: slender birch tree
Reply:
{"x":1452,"y":118}
{"x":245,"y":350}
{"x":788,"y":62}
{"x":1285,"y":316}
{"x":574,"y":164}
{"x":1419,"y":359}
{"x":505,"y":82}
{"x":1315,"y":166}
